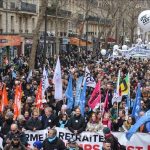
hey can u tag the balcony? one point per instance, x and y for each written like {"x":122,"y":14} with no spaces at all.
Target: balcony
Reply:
{"x":1,"y":3}
{"x":28,"y":7}
{"x":102,"y":21}
{"x":60,"y":13}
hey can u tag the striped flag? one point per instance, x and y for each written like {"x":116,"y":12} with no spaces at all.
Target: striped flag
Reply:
{"x":17,"y":101}
{"x":38,"y":100}
{"x":4,"y":100}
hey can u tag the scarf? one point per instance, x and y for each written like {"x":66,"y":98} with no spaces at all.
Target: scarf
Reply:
{"x":62,"y":124}
{"x":51,"y":139}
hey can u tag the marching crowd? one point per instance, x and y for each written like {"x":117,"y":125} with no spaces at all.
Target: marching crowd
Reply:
{"x":56,"y":114}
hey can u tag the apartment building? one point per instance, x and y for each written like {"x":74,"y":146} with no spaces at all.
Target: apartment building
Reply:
{"x":18,"y":18}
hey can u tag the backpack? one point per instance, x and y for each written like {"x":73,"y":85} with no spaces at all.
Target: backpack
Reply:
{"x":120,"y":147}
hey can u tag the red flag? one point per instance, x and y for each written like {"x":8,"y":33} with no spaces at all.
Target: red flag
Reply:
{"x":17,"y":101}
{"x":38,"y":100}
{"x":105,"y":107}
{"x":4,"y":100}
{"x":1,"y":87}
{"x":95,"y":97}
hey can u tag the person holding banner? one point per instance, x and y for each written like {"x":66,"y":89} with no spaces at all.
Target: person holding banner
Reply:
{"x":34,"y":123}
{"x":53,"y":142}
{"x":76,"y":124}
{"x":48,"y":119}
{"x":94,"y":124}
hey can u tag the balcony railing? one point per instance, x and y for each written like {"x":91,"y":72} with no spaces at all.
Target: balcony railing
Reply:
{"x":60,"y":13}
{"x":103,"y":21}
{"x":1,"y":3}
{"x":28,"y":7}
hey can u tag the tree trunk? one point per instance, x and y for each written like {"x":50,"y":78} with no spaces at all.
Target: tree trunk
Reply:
{"x":44,"y":4}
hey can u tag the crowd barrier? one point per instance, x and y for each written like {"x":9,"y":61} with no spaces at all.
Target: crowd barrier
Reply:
{"x":92,"y":140}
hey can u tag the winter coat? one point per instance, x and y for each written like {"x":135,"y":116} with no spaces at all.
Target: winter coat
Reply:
{"x":110,"y":138}
{"x":48,"y":122}
{"x":57,"y":144}
{"x":33,"y":123}
{"x":94,"y":127}
{"x":21,"y":135}
{"x":76,"y":123}
{"x":12,"y":147}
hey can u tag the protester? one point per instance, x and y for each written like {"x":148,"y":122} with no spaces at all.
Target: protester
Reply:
{"x":106,"y":145}
{"x":94,"y":124}
{"x":7,"y":123}
{"x":76,"y":124}
{"x":48,"y":119}
{"x":115,"y":145}
{"x":53,"y":142}
{"x":34,"y":123}
{"x":106,"y":121}
{"x":63,"y":121}
{"x":72,"y":145}
{"x":128,"y":123}
{"x":117,"y":124}
{"x":15,"y":144}
{"x":13,"y":133}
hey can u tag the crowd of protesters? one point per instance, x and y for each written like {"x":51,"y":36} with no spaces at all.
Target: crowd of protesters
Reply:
{"x":56,"y":114}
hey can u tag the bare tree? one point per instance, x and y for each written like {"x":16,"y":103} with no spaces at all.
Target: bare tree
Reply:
{"x":44,"y":4}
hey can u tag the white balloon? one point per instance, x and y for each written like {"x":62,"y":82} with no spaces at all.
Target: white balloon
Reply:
{"x":124,"y":47}
{"x":103,"y":52}
{"x":116,"y":47}
{"x":144,"y":20}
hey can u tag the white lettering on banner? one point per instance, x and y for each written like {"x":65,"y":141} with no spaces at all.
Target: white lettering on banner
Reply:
{"x":91,"y":140}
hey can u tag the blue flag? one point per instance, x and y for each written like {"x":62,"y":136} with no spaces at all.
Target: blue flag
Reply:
{"x":14,"y":75}
{"x":128,"y":102}
{"x":140,"y":122}
{"x":137,"y":103}
{"x":78,"y":91}
{"x":83,"y":99}
{"x":69,"y":94}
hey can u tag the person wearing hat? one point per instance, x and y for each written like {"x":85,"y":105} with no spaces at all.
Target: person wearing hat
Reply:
{"x":109,"y":137}
{"x":72,"y":145}
{"x":37,"y":145}
{"x":15,"y":144}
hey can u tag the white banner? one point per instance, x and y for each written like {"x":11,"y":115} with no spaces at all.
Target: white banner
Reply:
{"x":92,"y":140}
{"x":89,"y":79}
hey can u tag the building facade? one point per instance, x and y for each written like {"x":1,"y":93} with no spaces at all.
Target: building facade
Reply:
{"x":73,"y":17}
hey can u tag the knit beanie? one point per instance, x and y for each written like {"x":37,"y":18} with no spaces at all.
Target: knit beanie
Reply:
{"x":106,"y":130}
{"x":37,"y":144}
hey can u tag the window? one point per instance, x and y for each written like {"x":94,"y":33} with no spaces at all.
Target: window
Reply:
{"x":20,"y":24}
{"x":33,"y":23}
{"x":26,"y":24}
{"x":12,"y":22}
